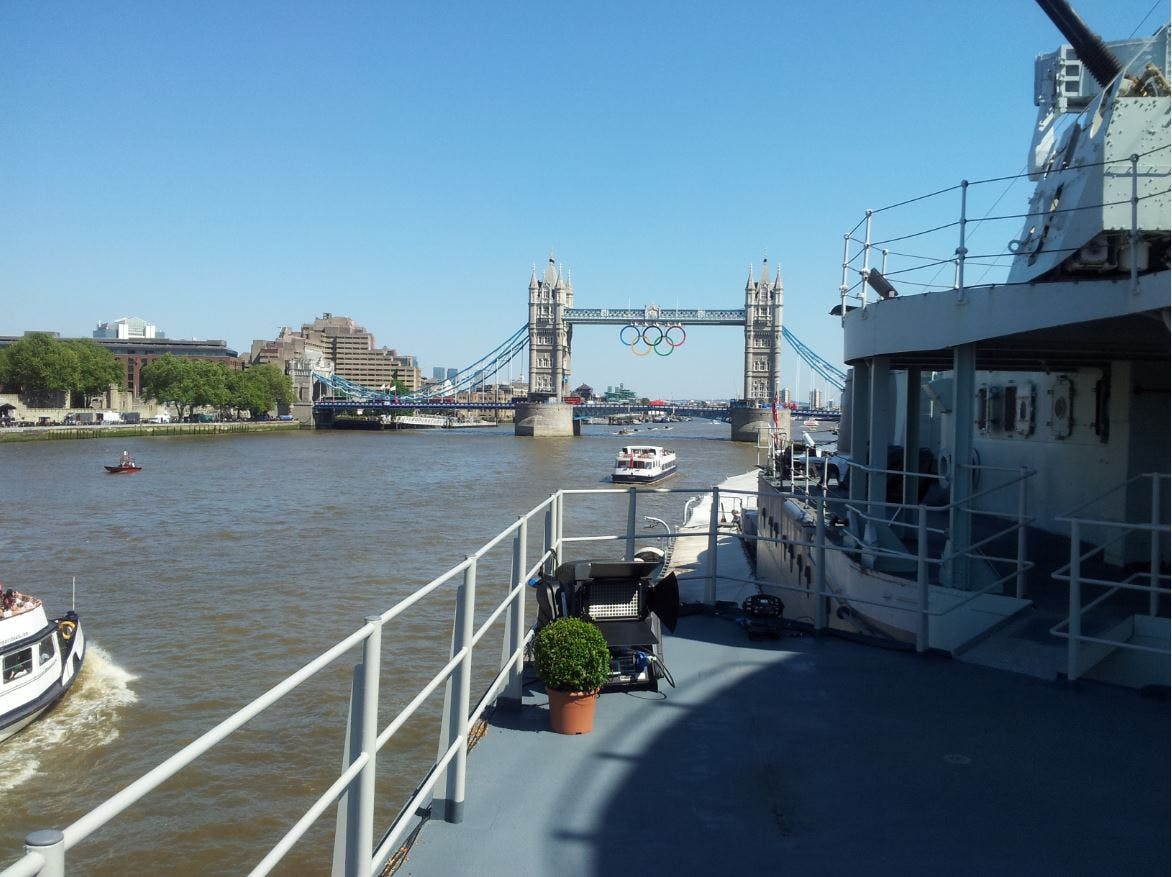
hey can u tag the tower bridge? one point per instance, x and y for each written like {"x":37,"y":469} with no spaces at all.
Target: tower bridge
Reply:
{"x":552,"y":317}
{"x":650,"y":330}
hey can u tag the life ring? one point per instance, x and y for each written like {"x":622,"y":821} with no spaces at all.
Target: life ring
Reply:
{"x":67,"y":629}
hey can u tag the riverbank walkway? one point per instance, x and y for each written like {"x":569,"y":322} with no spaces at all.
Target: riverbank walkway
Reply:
{"x":815,"y":754}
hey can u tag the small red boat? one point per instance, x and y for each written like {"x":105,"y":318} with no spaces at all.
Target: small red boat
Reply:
{"x":125,"y":464}
{"x":115,"y":470}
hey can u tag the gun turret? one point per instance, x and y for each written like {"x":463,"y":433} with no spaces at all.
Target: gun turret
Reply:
{"x":1089,"y":48}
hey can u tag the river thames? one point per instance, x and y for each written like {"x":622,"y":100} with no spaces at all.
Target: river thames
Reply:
{"x":227,"y":564}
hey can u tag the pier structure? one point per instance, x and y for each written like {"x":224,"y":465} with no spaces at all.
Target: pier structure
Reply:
{"x":649,"y":330}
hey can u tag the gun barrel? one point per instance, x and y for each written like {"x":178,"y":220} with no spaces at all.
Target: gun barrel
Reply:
{"x":1086,"y":44}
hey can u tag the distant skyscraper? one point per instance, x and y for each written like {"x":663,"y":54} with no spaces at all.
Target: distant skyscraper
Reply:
{"x":452,"y":372}
{"x":786,"y":396}
{"x":438,"y":373}
{"x":816,"y":399}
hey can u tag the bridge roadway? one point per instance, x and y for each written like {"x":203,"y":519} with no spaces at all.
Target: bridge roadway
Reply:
{"x":389,"y":406}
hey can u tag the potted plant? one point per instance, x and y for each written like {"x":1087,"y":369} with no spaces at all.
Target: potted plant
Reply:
{"x":573,"y":661}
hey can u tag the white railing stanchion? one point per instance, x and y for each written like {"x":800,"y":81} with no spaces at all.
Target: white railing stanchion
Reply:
{"x":713,"y":525}
{"x":1154,"y":556}
{"x":1074,"y":625}
{"x":961,"y":250}
{"x":559,"y":521}
{"x":922,"y":578}
{"x":820,"y":620}
{"x":363,"y":833}
{"x":515,"y":626}
{"x":461,"y":684}
{"x":631,"y":511}
{"x":1133,"y":235}
{"x":49,"y":843}
{"x":549,"y":525}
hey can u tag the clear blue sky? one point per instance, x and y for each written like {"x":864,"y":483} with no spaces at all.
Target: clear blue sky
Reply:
{"x":223,"y":169}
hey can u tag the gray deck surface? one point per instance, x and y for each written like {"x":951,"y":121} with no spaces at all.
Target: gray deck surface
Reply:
{"x":817,"y":755}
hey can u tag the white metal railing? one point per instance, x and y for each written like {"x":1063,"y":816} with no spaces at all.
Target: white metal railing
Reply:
{"x":1153,"y":581}
{"x":352,"y":792}
{"x":802,"y":477}
{"x":922,"y":258}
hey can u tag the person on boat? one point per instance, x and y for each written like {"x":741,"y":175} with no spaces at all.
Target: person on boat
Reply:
{"x":126,"y":461}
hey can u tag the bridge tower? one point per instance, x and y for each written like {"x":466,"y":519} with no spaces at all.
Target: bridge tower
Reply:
{"x":544,"y":414}
{"x":764,"y":308}
{"x":549,"y":334}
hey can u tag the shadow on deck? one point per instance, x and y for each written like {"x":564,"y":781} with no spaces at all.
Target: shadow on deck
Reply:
{"x":819,"y":755}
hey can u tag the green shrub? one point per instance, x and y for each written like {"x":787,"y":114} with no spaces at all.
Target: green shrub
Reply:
{"x":571,"y":655}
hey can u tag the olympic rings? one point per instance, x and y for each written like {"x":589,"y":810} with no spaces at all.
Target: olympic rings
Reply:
{"x":664,"y":343}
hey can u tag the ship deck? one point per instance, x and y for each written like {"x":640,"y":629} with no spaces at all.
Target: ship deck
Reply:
{"x":819,"y":755}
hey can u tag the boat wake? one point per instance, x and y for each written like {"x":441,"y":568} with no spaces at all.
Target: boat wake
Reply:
{"x":86,"y":718}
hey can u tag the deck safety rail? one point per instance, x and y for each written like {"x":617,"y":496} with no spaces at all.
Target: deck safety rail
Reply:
{"x":352,"y":792}
{"x":930,"y":258}
{"x":915,"y":518}
{"x":1115,"y":533}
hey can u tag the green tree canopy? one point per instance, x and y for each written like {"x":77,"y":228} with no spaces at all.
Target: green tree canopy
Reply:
{"x":260,"y":389}
{"x":98,"y":369}
{"x":39,"y":363}
{"x":169,"y":380}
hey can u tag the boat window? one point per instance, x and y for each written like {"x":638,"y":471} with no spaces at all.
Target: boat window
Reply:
{"x":45,"y":649}
{"x":18,"y":664}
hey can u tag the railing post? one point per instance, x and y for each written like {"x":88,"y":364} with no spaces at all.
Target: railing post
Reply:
{"x":961,"y":250}
{"x":820,"y":619}
{"x":461,"y":694}
{"x":713,"y":523}
{"x":515,"y":628}
{"x":559,"y":521}
{"x":631,"y":503}
{"x":371,"y":664}
{"x":1154,"y":594}
{"x":922,"y":631}
{"x":842,"y":287}
{"x":354,"y":832}
{"x":866,"y":260}
{"x":549,"y":525}
{"x":1021,"y":533}
{"x":49,"y":844}
{"x":1133,"y":236}
{"x":1074,"y":625}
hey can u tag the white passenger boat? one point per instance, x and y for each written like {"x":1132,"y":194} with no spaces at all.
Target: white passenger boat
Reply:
{"x":40,"y":658}
{"x":643,"y":464}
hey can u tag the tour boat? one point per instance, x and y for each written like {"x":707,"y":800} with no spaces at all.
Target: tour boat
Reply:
{"x":643,"y":464}
{"x":40,"y":658}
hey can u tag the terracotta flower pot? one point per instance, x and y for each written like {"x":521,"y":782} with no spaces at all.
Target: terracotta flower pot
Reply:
{"x":572,"y":712}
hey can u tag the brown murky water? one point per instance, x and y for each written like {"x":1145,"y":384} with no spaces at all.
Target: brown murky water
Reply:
{"x":228,"y":563}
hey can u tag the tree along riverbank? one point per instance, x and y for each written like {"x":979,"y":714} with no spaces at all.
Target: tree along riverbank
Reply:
{"x":52,"y":433}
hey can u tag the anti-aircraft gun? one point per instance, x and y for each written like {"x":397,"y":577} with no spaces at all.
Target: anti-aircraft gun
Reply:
{"x":1100,"y":156}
